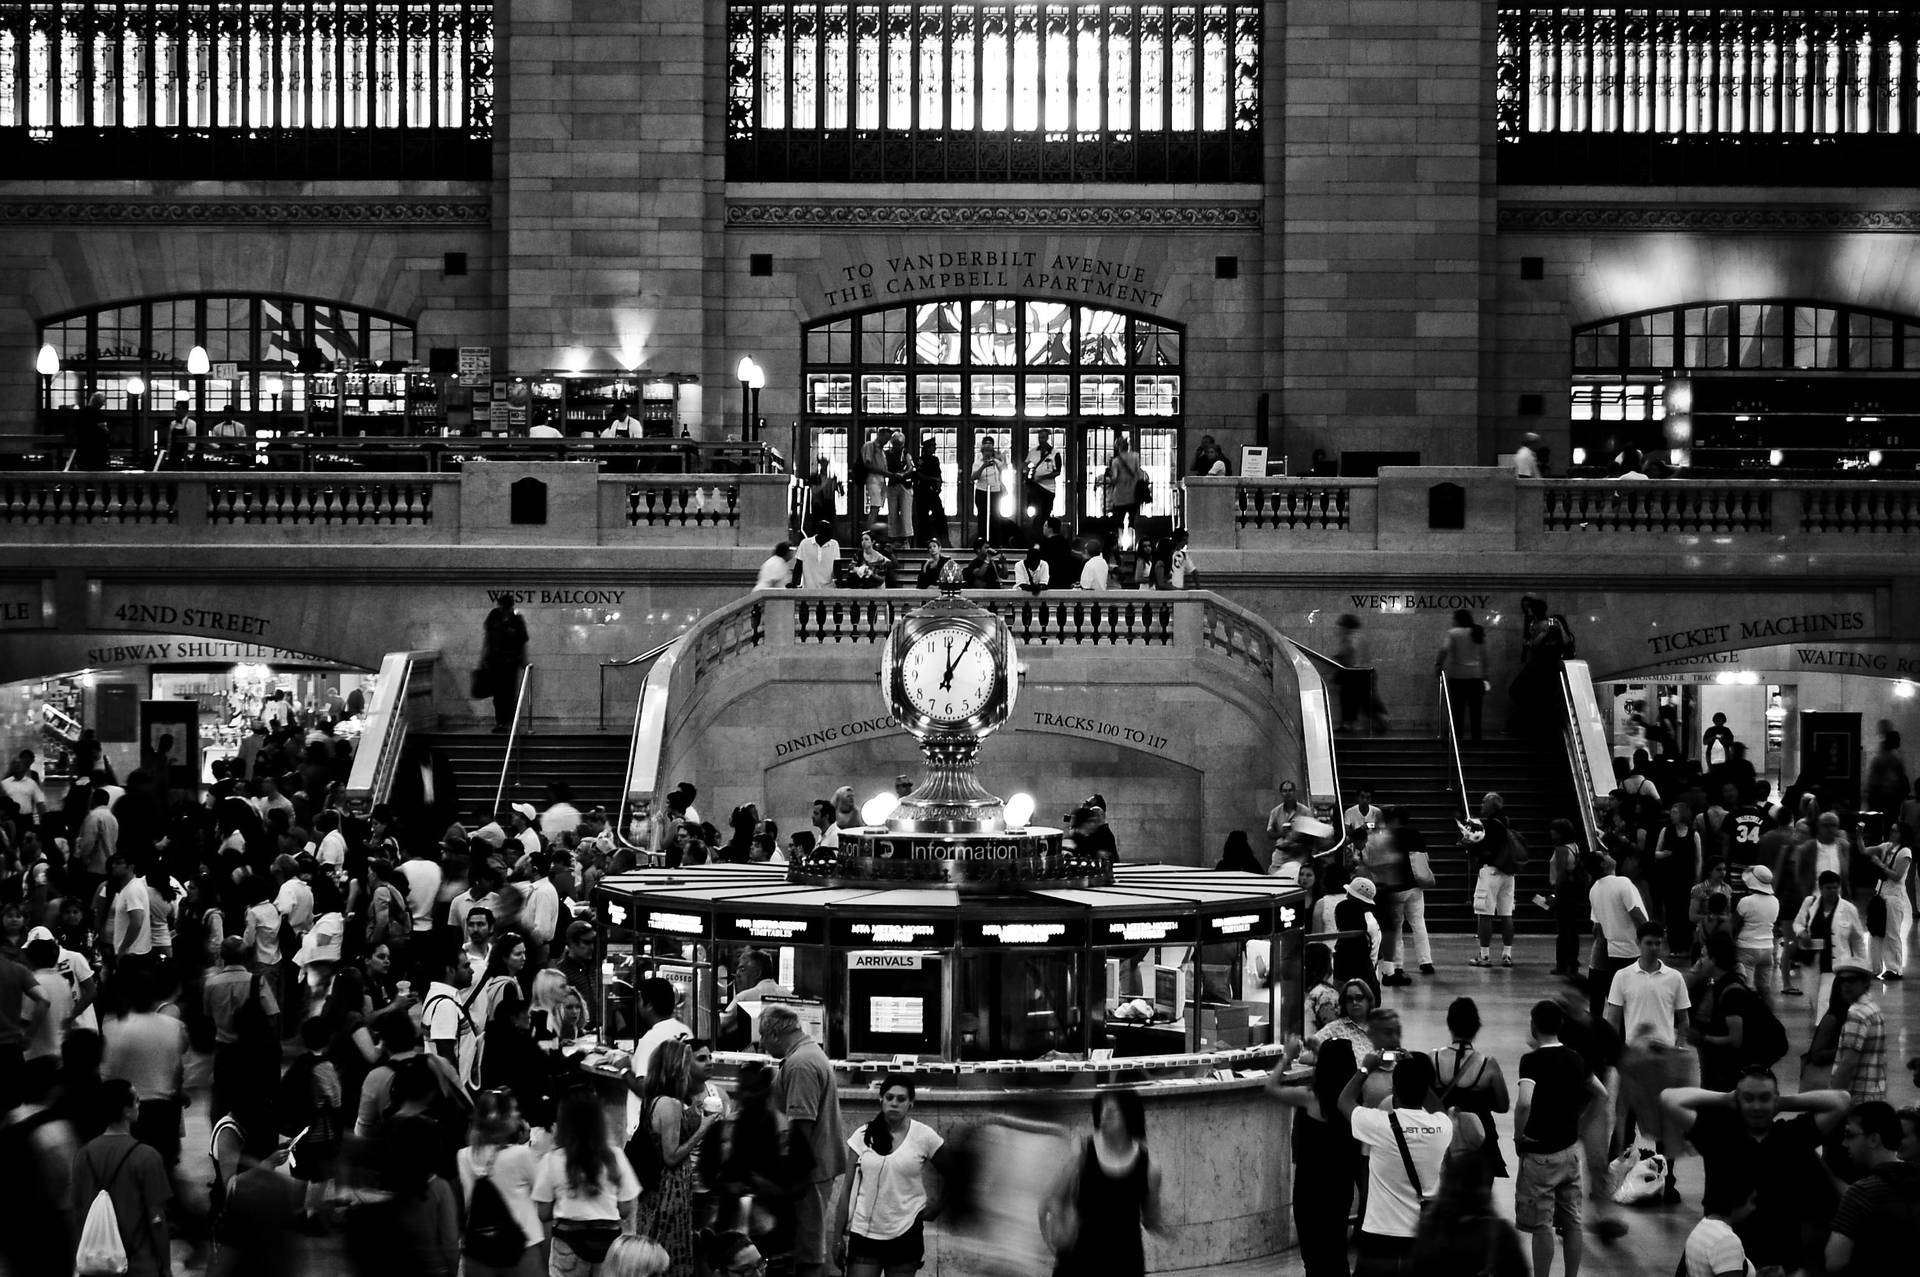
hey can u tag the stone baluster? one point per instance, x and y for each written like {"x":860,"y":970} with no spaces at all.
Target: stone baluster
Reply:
{"x":733,"y":504}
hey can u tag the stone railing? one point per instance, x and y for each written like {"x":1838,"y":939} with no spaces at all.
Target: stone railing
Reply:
{"x":1475,"y":509}
{"x":1070,"y":618}
{"x":486,"y":503}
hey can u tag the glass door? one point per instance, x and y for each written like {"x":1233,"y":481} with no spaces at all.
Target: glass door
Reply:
{"x":939,"y":514}
{"x":1001,"y":532}
{"x":829,"y":444}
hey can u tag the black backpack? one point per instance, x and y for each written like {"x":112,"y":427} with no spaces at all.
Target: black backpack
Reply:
{"x":295,"y":1108}
{"x":1763,"y":1039}
{"x":643,"y":1151}
{"x":493,"y":1236}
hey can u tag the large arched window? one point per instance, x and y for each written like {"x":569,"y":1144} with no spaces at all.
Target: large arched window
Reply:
{"x":990,"y":91}
{"x":960,"y":370}
{"x":269,"y":353}
{"x":1751,"y":383}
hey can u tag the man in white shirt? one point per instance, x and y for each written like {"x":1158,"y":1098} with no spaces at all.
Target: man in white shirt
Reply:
{"x":132,"y":927}
{"x":1526,"y":460}
{"x":442,"y":1018}
{"x":1617,"y":911}
{"x":294,"y":899}
{"x":23,"y":790}
{"x":826,"y":828}
{"x":1363,"y":815}
{"x":1714,"y":1248}
{"x":1404,"y":1121}
{"x":423,"y":877}
{"x":657,"y":1022}
{"x":99,"y":834}
{"x":521,"y":822}
{"x":817,"y":555}
{"x":1097,"y":572}
{"x":1647,"y":1006}
{"x":540,"y":913}
{"x":777,"y":572}
{"x":332,"y":851}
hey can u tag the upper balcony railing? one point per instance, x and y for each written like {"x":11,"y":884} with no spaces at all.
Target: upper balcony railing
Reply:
{"x":1499,"y":511}
{"x":1763,"y":93}
{"x":290,"y":89}
{"x":473,"y":507}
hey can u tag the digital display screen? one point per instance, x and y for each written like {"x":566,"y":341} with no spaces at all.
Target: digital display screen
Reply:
{"x":912,"y":933}
{"x":675,"y":924}
{"x":1144,"y":931}
{"x":1017,"y":933}
{"x":897,"y":1015}
{"x":1241,"y":925}
{"x":760,"y":929}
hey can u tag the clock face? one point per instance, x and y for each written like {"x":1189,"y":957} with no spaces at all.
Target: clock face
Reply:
{"x":948,"y":674}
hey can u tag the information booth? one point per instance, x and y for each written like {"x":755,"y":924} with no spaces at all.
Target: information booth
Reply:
{"x":1014,"y":972}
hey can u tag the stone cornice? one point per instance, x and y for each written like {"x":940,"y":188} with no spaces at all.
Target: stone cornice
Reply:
{"x":246,"y":212}
{"x":1722,"y":219}
{"x":956,"y":214}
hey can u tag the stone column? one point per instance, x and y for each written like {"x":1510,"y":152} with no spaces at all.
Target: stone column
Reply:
{"x":1389,"y":196}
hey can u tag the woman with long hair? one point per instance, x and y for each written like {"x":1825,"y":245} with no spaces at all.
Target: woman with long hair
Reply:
{"x":500,"y":982}
{"x":497,"y":1153}
{"x":884,"y":1199}
{"x":671,"y":1118}
{"x":1105,"y":1195}
{"x":1238,"y":854}
{"x":754,"y":1163}
{"x":584,"y":1191}
{"x":350,"y":1045}
{"x":1463,"y":661}
{"x":1322,"y":1143}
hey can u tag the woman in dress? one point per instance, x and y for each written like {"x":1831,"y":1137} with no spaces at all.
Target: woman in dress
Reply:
{"x":678,"y":1125}
{"x":929,"y":508}
{"x":1108,"y":1192}
{"x":1321,"y":1141}
{"x":883,"y":1199}
{"x":1470,"y":1081}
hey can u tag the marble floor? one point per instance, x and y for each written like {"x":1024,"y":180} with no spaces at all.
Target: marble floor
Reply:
{"x":1656,"y":1234}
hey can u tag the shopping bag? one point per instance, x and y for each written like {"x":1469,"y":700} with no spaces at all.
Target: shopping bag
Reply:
{"x":1642,"y":1181}
{"x":101,"y":1252}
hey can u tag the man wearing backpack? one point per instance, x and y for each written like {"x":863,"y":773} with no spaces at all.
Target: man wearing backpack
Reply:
{"x":1738,"y":1030}
{"x":135,"y":1183}
{"x":401,"y":1041}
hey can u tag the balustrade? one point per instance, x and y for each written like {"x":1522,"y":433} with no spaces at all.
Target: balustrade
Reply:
{"x":88,"y":500}
{"x":669,"y":503}
{"x":286,"y":501}
{"x":1237,"y":637}
{"x":1871,"y":508}
{"x":730,"y":634}
{"x":1303,"y":504}
{"x":1655,"y":506}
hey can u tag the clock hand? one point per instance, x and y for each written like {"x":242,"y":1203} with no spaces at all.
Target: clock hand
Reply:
{"x":946,"y":677}
{"x":946,"y":683}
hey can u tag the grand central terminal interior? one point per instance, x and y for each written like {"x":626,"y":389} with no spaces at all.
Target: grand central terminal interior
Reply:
{"x":1024,"y":527}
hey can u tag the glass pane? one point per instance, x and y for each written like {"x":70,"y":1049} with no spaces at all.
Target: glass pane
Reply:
{"x":1707,"y":336}
{"x":1103,"y":337}
{"x":1156,"y":396}
{"x":1049,"y":329}
{"x":883,"y":337}
{"x":1762,"y":336}
{"x":1870,"y":341}
{"x":1160,"y":458}
{"x":990,"y":328}
{"x":830,"y":392}
{"x":1586,"y":349}
{"x":936,"y":331}
{"x":831,"y":343}
{"x":946,"y":446}
{"x":884,"y":393}
{"x":1650,"y":340}
{"x":937,"y":394}
{"x":279,"y":330}
{"x":1047,"y":396}
{"x":830,"y":444}
{"x":993,"y":395}
{"x":1154,"y":345}
{"x":1103,"y":395}
{"x":1095,"y":451}
{"x":119,"y":337}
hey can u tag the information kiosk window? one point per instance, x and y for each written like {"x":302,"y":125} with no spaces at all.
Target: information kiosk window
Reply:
{"x":791,"y":950}
{"x":645,"y":941}
{"x":1019,"y":988}
{"x":893,"y":986}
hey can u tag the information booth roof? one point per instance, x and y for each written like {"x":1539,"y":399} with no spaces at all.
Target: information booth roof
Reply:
{"x":1136,"y":890}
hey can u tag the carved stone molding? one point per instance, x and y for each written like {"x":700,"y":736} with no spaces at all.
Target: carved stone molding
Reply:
{"x":1036,"y":216}
{"x":1754,"y":219}
{"x":66,"y":212}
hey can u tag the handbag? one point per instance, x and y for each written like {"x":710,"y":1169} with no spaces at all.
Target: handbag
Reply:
{"x":1422,"y":869}
{"x":1877,"y":916}
{"x":479,"y":685}
{"x":589,"y":1240}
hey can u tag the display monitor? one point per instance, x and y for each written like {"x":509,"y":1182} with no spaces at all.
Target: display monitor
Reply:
{"x":1169,"y":991}
{"x":894,"y":1003}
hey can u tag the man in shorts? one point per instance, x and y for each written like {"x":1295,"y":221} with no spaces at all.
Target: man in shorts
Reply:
{"x":1557,"y":1094}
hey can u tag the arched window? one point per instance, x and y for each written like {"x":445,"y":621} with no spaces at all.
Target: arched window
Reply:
{"x":960,"y":370}
{"x":989,"y":91}
{"x":269,"y":353}
{"x":1750,"y":383}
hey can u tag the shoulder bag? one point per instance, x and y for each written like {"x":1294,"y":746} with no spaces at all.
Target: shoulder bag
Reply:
{"x":1406,"y":1159}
